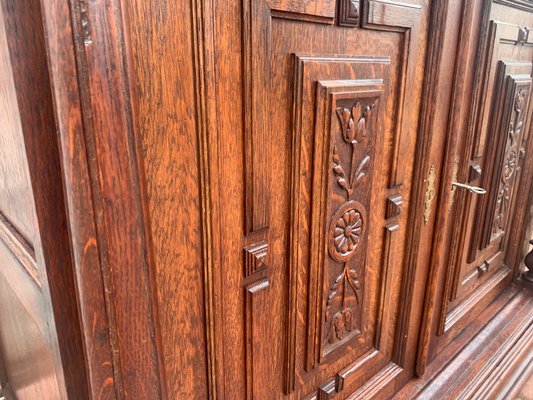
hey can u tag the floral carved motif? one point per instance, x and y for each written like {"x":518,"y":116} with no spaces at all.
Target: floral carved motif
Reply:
{"x":343,"y":321}
{"x":351,"y":161}
{"x":355,"y":132}
{"x":345,"y":231}
{"x":510,"y":163}
{"x":354,"y":126}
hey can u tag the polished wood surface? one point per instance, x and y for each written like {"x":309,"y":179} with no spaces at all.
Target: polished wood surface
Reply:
{"x":491,"y":359}
{"x":476,"y":256}
{"x":84,"y":243}
{"x":255,"y":199}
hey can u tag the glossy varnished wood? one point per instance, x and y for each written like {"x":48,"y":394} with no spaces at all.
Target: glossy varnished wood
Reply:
{"x":467,"y":273}
{"x":488,"y":360}
{"x":287,"y":37}
{"x":166,"y":116}
{"x":96,"y":322}
{"x":252,"y":199}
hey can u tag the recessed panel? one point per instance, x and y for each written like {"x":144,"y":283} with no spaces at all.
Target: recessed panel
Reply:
{"x":342,"y":215}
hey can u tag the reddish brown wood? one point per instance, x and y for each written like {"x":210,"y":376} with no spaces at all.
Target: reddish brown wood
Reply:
{"x":81,"y":217}
{"x":460,"y":287}
{"x":255,"y":198}
{"x":118,"y":201}
{"x":489,"y":357}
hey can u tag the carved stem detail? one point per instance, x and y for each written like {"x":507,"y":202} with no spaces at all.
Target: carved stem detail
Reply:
{"x":348,"y":222}
{"x":511,"y":165}
{"x":343,"y":320}
{"x":352,"y":133}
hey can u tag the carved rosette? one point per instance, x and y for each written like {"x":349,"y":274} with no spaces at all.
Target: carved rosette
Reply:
{"x":345,"y":231}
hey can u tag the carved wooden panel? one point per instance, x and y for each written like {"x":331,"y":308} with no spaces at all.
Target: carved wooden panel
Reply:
{"x":508,"y":151}
{"x":18,"y":222}
{"x":499,"y":150}
{"x":343,"y":101}
{"x":15,"y":187}
{"x":347,"y":143}
{"x":41,"y":342}
{"x":479,"y":265}
{"x":350,"y":111}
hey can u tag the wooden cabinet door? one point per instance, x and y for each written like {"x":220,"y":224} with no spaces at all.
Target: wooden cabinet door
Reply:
{"x":486,"y":220}
{"x":306,"y":113}
{"x":331,"y":96}
{"x":497,"y":156}
{"x":36,"y":338}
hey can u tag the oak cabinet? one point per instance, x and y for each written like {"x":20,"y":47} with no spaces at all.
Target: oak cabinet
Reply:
{"x":265,"y":199}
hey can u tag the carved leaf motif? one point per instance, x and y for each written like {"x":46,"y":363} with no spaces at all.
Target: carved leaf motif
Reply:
{"x":333,"y":293}
{"x":520,"y":99}
{"x":353,"y":132}
{"x":354,"y":282}
{"x":356,"y":111}
{"x":343,"y":319}
{"x":347,"y":124}
{"x":339,"y":326}
{"x":360,"y":171}
{"x":510,"y":166}
{"x":348,"y":319}
{"x":364,"y":115}
{"x":339,"y":172}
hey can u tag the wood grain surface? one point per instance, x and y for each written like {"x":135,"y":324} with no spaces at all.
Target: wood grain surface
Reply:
{"x":254,"y":199}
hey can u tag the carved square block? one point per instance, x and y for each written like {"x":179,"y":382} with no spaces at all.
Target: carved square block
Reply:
{"x":349,"y":13}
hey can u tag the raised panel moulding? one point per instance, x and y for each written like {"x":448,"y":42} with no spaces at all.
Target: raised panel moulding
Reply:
{"x":346,"y":121}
